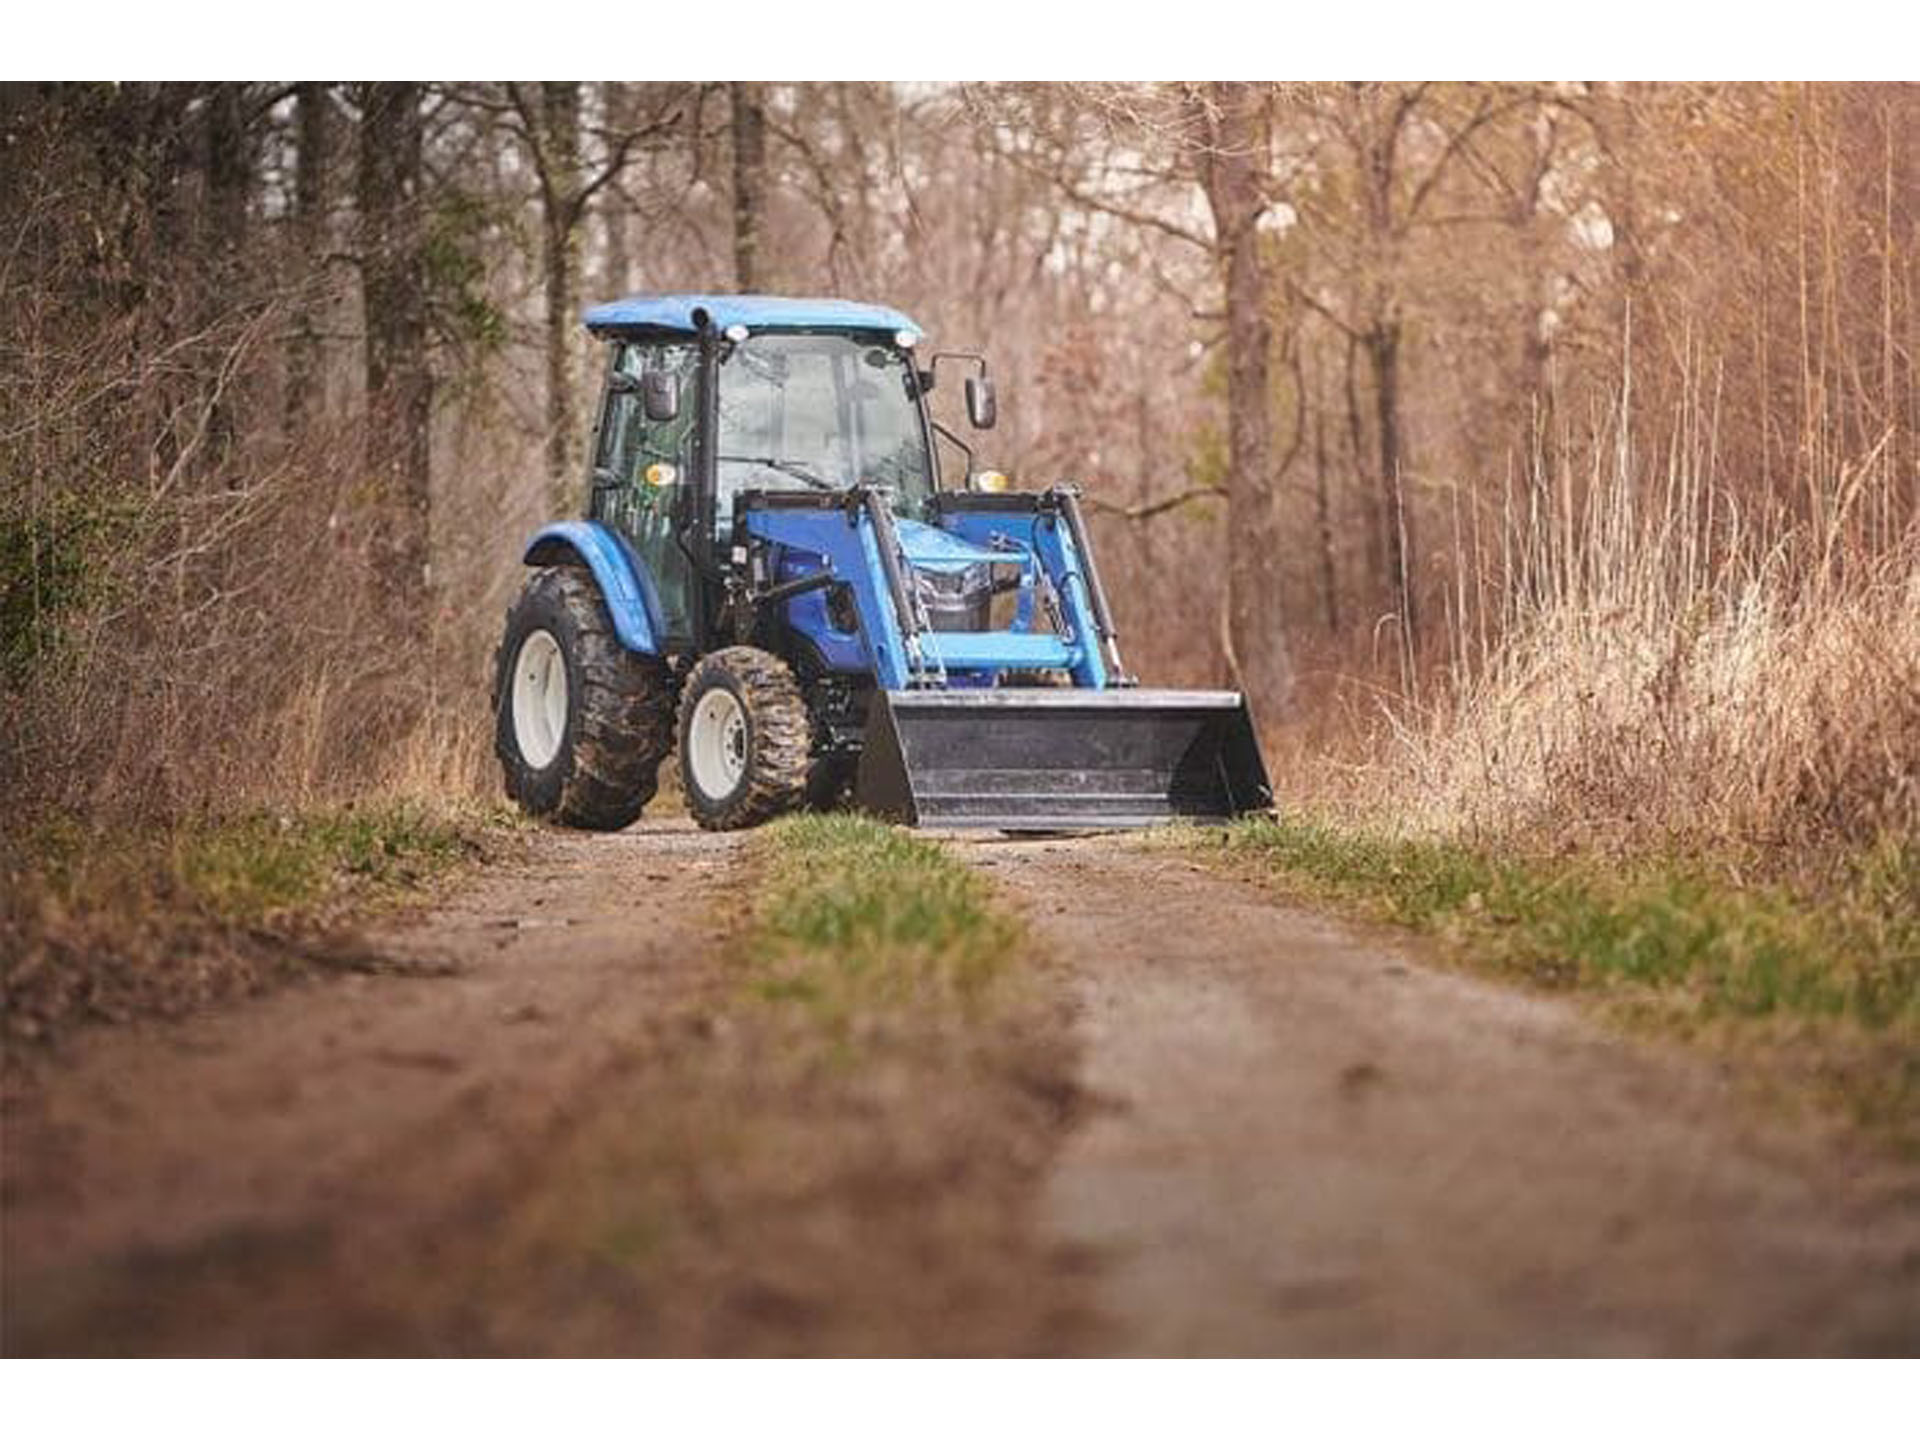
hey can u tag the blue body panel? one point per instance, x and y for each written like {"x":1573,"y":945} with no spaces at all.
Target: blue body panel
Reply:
{"x":622,"y":576}
{"x":1000,"y":649}
{"x":756,"y":312}
{"x":845,"y":545}
{"x":1043,"y":535}
{"x":928,"y":547}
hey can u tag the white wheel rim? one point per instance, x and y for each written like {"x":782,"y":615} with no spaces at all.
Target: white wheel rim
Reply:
{"x":539,"y":699}
{"x":717,"y":744}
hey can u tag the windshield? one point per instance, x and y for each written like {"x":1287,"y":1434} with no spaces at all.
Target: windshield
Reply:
{"x":819,"y":412}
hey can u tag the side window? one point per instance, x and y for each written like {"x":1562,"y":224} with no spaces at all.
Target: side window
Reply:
{"x":663,"y":441}
{"x":610,"y":464}
{"x":641,"y":470}
{"x":642,"y":464}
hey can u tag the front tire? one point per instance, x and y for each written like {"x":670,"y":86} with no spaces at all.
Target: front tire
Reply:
{"x":581,"y":723}
{"x":745,"y":739}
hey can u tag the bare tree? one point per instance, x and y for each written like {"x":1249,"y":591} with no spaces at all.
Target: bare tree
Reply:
{"x":749,"y":181}
{"x":548,"y":122}
{"x":399,"y":382}
{"x":1391,"y":181}
{"x":314,"y":126}
{"x":1235,"y":125}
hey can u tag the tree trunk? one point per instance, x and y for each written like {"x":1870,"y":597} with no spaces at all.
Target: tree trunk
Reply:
{"x":1536,"y":341}
{"x":1357,"y":467}
{"x":1323,"y":513}
{"x":1233,"y":170}
{"x":229,"y":179}
{"x":617,"y":274}
{"x":1381,"y":339}
{"x":749,"y":182}
{"x":1383,"y":353}
{"x":399,"y":383}
{"x":560,"y":158}
{"x":312,"y":199}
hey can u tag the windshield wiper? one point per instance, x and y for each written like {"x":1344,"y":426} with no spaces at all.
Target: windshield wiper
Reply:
{"x":799,"y":469}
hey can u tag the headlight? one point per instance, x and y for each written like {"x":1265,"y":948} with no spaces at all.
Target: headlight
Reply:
{"x":956,"y":599}
{"x":950,"y":585}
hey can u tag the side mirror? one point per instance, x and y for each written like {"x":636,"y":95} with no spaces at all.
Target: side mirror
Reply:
{"x":982,"y":409}
{"x":659,"y":396}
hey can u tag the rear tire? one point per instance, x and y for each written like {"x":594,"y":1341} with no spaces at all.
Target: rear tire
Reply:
{"x":745,"y":739}
{"x":581,"y":723}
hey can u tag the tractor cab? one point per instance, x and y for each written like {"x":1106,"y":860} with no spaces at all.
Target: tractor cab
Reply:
{"x":787,"y":397}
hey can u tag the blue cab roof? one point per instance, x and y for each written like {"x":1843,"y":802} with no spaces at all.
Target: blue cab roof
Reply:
{"x":756,"y":312}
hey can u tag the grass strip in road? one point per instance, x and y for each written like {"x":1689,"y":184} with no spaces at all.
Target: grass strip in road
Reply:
{"x":829,"y":1138}
{"x":852,"y":915}
{"x":1831,"y":976}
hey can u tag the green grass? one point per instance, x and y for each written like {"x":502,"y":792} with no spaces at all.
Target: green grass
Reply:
{"x":253,"y":869}
{"x":1673,"y":939}
{"x":1660,"y":923}
{"x":113,"y":923}
{"x":853,"y":916}
{"x":262,"y":867}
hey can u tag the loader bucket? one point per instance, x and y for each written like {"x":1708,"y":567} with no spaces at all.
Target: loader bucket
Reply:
{"x":1059,"y":759}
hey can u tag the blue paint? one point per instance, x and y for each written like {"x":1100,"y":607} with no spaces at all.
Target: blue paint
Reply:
{"x":845,"y":545}
{"x":840,"y":650}
{"x":999,"y":649}
{"x":1046,"y":536}
{"x":621,"y":575}
{"x":928,"y":547}
{"x":756,"y":312}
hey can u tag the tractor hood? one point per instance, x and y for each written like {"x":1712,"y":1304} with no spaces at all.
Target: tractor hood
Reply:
{"x":928,"y":547}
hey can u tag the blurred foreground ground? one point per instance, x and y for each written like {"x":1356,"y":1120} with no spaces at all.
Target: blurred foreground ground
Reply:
{"x":1197,"y":1122}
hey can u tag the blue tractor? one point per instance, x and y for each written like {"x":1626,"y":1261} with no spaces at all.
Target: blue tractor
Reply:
{"x":774,"y":577}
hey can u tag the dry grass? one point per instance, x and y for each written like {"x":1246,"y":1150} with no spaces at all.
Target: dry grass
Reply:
{"x":1636,"y":664}
{"x":1751,"y":717}
{"x":207,"y":646}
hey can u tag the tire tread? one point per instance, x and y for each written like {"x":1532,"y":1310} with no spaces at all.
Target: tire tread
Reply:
{"x":780,"y":757}
{"x":621,"y":726}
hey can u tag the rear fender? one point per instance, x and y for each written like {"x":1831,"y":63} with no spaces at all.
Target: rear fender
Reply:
{"x":625,"y":585}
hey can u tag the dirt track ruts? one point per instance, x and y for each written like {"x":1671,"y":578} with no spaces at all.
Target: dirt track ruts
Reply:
{"x":1209,"y":1124}
{"x":1314,"y":1145}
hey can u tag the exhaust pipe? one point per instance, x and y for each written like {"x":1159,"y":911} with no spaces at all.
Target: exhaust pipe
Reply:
{"x":1059,"y":759}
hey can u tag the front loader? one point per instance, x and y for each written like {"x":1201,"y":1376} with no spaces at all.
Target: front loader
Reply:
{"x":772,"y":579}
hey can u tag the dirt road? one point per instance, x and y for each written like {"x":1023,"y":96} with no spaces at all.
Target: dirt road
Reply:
{"x":1200,"y":1122}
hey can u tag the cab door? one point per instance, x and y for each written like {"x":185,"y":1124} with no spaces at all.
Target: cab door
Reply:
{"x":642,"y":470}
